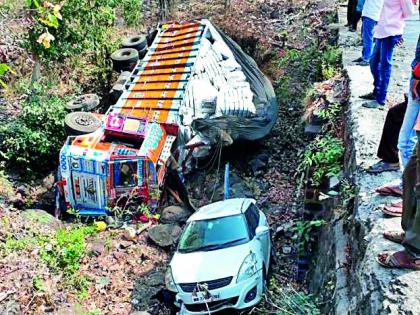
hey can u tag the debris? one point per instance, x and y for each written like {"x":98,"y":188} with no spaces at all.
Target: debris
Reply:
{"x":100,"y":225}
{"x":130,"y":233}
{"x":286,"y":250}
{"x":97,"y":248}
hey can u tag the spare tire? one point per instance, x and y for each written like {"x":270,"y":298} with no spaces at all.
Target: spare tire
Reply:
{"x":124,"y":59}
{"x":80,"y":123}
{"x":138,"y":42}
{"x":83,"y":102}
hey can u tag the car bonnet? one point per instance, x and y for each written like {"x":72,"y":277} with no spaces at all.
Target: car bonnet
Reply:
{"x":208,"y":265}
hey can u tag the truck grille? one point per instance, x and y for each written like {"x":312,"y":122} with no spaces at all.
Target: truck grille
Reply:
{"x":212,"y":284}
{"x":212,"y":306}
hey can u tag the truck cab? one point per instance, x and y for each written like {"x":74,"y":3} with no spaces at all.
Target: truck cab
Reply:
{"x":124,"y":161}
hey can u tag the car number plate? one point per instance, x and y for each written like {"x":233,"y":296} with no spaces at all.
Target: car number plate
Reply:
{"x":200,"y":298}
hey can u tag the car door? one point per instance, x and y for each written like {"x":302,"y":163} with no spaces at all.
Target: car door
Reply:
{"x":255,"y":218}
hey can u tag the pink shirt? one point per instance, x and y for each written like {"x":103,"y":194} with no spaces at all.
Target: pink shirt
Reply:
{"x":391,"y":21}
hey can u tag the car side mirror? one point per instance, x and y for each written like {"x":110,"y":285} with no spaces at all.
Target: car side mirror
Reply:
{"x":261,"y":231}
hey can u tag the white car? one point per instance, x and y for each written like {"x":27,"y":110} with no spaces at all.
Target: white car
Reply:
{"x":222,"y":258}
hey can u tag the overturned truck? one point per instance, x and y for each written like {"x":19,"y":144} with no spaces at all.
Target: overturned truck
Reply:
{"x":194,"y":90}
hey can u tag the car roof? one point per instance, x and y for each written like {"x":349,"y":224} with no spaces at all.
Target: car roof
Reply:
{"x":222,"y":209}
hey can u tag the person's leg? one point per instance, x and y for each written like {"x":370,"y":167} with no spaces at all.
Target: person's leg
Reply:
{"x":409,"y":198}
{"x":387,"y":52}
{"x":411,"y":213}
{"x":367,"y":37}
{"x":388,"y":150}
{"x":407,"y":138}
{"x":351,"y":11}
{"x":356,"y":19}
{"x":374,"y":65}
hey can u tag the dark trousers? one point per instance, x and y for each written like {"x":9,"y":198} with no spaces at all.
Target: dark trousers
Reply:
{"x":411,"y":205}
{"x":388,"y":150}
{"x":351,"y":12}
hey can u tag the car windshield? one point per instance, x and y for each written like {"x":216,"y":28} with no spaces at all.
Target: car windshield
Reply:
{"x":206,"y":235}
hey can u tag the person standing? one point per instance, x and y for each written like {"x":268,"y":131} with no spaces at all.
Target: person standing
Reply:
{"x":387,"y":33}
{"x":408,"y":258}
{"x":370,"y":16}
{"x":407,"y":138}
{"x":351,"y":14}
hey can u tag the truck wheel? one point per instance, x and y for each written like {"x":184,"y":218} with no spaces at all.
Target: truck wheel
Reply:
{"x":138,"y":42}
{"x":83,"y":102}
{"x":124,"y":59}
{"x":80,"y":123}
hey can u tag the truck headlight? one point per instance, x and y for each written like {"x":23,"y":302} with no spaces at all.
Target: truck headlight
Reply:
{"x":169,"y":281}
{"x":248,"y":268}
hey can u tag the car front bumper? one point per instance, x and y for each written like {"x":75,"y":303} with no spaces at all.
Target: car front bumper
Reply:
{"x":231,"y":296}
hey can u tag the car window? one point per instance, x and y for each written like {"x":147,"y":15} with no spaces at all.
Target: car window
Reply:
{"x":252,"y":216}
{"x":214,"y":234}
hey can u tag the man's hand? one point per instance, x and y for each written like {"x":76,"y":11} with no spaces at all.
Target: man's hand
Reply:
{"x":414,"y":89}
{"x":400,"y":43}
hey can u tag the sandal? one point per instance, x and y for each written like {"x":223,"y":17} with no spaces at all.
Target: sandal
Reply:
{"x":398,"y":260}
{"x":394,"y":236}
{"x":390,"y":190}
{"x":383,"y":166}
{"x":394,"y":210}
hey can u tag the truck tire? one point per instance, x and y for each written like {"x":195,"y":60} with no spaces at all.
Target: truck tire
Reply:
{"x":80,"y":123}
{"x":124,"y":59}
{"x":138,"y":42}
{"x":83,"y":102}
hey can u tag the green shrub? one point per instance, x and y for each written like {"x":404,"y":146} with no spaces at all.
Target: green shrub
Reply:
{"x":324,"y":156}
{"x":65,"y":28}
{"x":32,"y":141}
{"x":67,"y":249}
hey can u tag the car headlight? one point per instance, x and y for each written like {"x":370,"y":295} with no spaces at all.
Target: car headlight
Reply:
{"x":248,"y":268}
{"x":169,"y":281}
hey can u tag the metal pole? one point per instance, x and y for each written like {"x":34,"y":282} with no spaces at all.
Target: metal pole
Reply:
{"x":227,"y":181}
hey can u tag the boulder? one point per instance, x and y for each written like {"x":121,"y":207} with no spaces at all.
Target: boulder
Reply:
{"x":41,"y":217}
{"x":165,"y":235}
{"x":174,"y":214}
{"x":48,"y":181}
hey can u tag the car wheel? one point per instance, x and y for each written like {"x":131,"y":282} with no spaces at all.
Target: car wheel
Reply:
{"x":124,"y":59}
{"x":79,"y":123}
{"x":138,"y":42}
{"x":83,"y":102}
